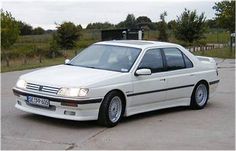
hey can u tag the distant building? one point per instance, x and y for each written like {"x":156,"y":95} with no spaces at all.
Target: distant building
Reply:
{"x":122,"y":34}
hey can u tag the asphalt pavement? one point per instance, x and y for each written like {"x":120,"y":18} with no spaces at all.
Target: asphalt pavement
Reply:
{"x":174,"y":128}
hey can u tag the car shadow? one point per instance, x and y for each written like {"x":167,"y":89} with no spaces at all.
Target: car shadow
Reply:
{"x":63,"y":123}
{"x":165,"y":111}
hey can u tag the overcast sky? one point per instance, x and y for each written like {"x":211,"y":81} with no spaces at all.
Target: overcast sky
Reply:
{"x":46,"y":13}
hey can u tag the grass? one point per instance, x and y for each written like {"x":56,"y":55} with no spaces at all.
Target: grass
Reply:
{"x":33,"y":64}
{"x":214,"y":37}
{"x":219,"y":53}
{"x":45,"y":38}
{"x":17,"y":64}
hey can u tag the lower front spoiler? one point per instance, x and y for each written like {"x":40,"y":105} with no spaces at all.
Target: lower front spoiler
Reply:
{"x":81,"y":112}
{"x":59,"y":113}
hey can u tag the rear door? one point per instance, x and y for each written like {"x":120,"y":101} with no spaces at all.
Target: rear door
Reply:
{"x":180,"y":78}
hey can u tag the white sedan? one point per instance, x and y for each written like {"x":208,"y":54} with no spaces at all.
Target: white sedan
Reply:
{"x":112,"y":79}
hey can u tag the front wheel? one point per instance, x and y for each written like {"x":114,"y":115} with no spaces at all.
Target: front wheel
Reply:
{"x":111,"y":110}
{"x":199,"y":97}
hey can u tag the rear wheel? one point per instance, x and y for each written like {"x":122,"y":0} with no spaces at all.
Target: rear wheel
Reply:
{"x":111,"y":110}
{"x":199,"y":97}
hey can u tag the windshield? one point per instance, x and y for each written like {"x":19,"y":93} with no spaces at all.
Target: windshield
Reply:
{"x":107,"y":57}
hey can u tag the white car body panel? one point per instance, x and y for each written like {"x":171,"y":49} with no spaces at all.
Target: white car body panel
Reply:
{"x":100,"y":82}
{"x":66,"y":74}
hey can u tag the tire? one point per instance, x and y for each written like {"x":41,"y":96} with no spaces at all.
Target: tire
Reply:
{"x":111,"y":109}
{"x":199,"y":96}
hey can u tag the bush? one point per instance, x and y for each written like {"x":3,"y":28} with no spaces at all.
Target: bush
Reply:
{"x":190,"y":27}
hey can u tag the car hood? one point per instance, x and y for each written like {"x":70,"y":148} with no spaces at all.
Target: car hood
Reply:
{"x":68,"y":76}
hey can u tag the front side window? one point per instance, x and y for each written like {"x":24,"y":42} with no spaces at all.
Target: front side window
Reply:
{"x":107,"y":57}
{"x":174,"y":58}
{"x":152,"y":59}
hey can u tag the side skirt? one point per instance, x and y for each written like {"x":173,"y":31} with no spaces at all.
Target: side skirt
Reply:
{"x":156,"y":106}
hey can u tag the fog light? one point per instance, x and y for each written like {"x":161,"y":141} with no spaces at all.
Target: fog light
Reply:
{"x":69,"y":112}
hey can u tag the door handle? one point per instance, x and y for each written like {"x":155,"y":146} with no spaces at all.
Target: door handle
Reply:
{"x":163,"y":80}
{"x":192,"y":74}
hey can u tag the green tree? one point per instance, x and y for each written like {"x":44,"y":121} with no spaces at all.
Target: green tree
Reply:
{"x":25,"y":29}
{"x":143,"y":22}
{"x":67,"y":34}
{"x":225,"y":12}
{"x":79,"y":27}
{"x":171,"y":24}
{"x":129,"y":22}
{"x":9,"y":30}
{"x":9,"y":33}
{"x":98,"y":25}
{"x":38,"y":31}
{"x":54,"y":46}
{"x":163,"y":36}
{"x":190,"y":27}
{"x":211,"y":23}
{"x":121,"y":25}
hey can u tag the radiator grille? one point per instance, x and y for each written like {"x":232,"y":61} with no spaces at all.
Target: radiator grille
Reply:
{"x":42,"y":88}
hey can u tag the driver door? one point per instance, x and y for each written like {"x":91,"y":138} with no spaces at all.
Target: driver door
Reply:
{"x":149,"y":89}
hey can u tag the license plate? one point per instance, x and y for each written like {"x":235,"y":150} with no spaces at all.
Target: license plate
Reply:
{"x":38,"y":101}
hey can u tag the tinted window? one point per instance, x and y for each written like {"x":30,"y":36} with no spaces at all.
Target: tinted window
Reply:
{"x":152,"y":59}
{"x":188,"y":63}
{"x":174,"y":59}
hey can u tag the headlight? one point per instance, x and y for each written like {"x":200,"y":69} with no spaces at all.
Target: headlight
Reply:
{"x":83,"y":92}
{"x":21,"y":84}
{"x":73,"y":92}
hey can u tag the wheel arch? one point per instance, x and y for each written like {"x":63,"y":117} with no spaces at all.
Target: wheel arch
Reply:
{"x":193,"y":103}
{"x":124,"y":99}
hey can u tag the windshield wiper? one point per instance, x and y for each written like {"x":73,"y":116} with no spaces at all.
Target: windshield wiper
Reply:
{"x":90,"y":67}
{"x":84,"y":66}
{"x":69,"y":64}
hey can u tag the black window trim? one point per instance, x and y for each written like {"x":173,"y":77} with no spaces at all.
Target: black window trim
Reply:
{"x":185,"y":61}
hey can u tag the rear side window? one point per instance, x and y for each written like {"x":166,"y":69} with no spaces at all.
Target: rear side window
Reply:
{"x":174,"y":58}
{"x":188,"y":62}
{"x":152,"y":59}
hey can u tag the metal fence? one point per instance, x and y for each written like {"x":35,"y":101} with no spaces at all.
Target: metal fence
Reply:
{"x":206,"y":47}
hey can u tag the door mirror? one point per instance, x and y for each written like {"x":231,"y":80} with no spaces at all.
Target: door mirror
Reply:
{"x":143,"y":72}
{"x":67,"y":61}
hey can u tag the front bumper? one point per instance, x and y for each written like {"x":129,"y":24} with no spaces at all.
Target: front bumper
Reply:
{"x":85,"y":109}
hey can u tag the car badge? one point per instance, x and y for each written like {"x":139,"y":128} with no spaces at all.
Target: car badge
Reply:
{"x":40,"y":88}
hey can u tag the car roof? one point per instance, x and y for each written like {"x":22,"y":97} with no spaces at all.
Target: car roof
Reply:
{"x":136,"y":43}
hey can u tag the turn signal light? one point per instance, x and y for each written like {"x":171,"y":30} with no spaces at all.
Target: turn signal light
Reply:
{"x":69,"y":104}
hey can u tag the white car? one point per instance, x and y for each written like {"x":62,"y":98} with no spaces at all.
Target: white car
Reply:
{"x":112,"y":79}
